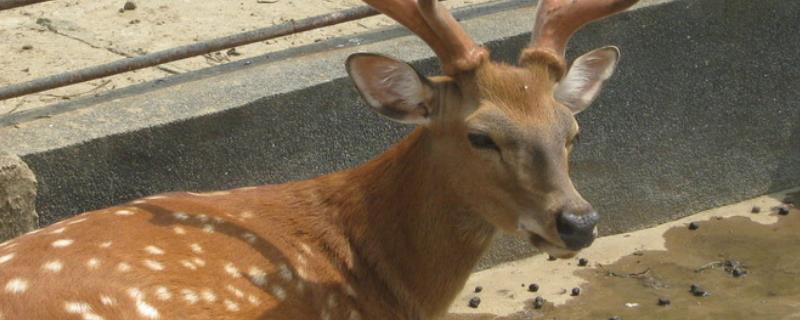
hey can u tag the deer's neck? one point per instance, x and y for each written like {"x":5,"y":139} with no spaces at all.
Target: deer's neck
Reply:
{"x":405,"y":219}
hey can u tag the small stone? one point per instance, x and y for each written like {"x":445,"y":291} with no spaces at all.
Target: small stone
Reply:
{"x":129,"y":5}
{"x":533,"y":287}
{"x":664,"y":302}
{"x":474,"y":302}
{"x":575,"y":292}
{"x":478,"y":289}
{"x":694,"y":226}
{"x":27,"y":47}
{"x":551,"y":258}
{"x":783,"y":210}
{"x":756,"y":209}
{"x":538,"y":303}
{"x":582,"y":262}
{"x":738,"y":272}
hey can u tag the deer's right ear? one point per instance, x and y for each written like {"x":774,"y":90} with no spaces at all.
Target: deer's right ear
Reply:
{"x":392,"y":88}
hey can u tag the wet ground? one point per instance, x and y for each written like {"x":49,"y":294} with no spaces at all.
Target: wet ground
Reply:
{"x":747,"y":264}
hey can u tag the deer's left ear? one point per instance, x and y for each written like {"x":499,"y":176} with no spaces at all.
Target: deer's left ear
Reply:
{"x":586,"y":77}
{"x":392,"y":88}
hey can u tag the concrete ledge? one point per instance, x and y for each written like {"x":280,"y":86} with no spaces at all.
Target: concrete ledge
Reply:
{"x":703,"y":111}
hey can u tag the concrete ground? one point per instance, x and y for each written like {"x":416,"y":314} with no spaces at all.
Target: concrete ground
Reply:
{"x":58,"y":36}
{"x":628,"y":273}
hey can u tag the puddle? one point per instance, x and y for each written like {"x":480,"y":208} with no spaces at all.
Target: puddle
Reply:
{"x":770,"y":289}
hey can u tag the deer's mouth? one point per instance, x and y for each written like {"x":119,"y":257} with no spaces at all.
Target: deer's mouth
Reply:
{"x":550,"y":248}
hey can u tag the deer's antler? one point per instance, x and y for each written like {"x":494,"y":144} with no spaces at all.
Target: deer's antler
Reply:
{"x":437,"y":27}
{"x":558,"y":20}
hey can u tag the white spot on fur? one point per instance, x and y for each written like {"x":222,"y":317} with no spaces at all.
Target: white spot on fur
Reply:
{"x":106,"y":300}
{"x":179,"y":230}
{"x":144,"y":309}
{"x":7,"y":258}
{"x":202,"y":217}
{"x":207,"y":228}
{"x":123,"y":267}
{"x":349,"y":290}
{"x":180,"y":215}
{"x":208,"y":295}
{"x":154,"y":250}
{"x":188,"y":265}
{"x":16,"y":286}
{"x":249,"y":237}
{"x":246,"y":214}
{"x":199,"y":262}
{"x":232,"y":270}
{"x":306,"y":249}
{"x":62,"y":243}
{"x":253,"y":300}
{"x":238,"y":293}
{"x":153,"y":265}
{"x":196,"y":248}
{"x":77,"y":221}
{"x":189,"y":296}
{"x":258,"y":276}
{"x":53,"y":266}
{"x":106,"y":245}
{"x":77,"y":307}
{"x":93,"y":263}
{"x":163,"y":294}
{"x":279,"y":293}
{"x":354,"y":315}
{"x":284,"y":272}
{"x":124,"y":212}
{"x":59,"y":230}
{"x":231,"y":306}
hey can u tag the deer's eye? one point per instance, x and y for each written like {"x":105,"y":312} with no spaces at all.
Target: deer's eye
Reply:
{"x":482,"y":141}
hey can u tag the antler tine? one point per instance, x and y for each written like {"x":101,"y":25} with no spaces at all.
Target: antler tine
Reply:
{"x":557,"y":20}
{"x":465,"y":54}
{"x":437,"y":28}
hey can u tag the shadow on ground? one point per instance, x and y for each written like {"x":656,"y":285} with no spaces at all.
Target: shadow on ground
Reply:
{"x":770,"y":288}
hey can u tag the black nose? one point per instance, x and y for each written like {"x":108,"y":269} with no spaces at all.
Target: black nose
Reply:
{"x":577,"y":230}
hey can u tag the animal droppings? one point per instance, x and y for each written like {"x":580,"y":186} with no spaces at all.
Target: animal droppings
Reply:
{"x":551,"y":258}
{"x":664,"y":302}
{"x":478,"y":289}
{"x":582,"y":262}
{"x":756,"y":209}
{"x":538,"y":303}
{"x":697,"y":291}
{"x":533,"y":287}
{"x":615,"y":318}
{"x":694,"y":226}
{"x":783,"y":210}
{"x":474,"y":302}
{"x":575,"y":292}
{"x":129,"y":5}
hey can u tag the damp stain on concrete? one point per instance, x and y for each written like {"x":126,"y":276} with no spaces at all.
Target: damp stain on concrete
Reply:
{"x":768,"y":286}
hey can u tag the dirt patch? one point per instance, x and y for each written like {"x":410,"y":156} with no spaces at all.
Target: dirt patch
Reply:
{"x":58,"y":36}
{"x":769,"y":287}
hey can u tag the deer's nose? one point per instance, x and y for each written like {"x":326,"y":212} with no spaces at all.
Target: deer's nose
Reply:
{"x":577,"y":230}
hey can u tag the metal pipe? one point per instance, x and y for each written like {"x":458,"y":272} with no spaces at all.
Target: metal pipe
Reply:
{"x":11,"y":4}
{"x":182,"y":52}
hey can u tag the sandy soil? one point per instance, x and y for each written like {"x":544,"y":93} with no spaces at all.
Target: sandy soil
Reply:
{"x":57,"y":36}
{"x":627,"y":273}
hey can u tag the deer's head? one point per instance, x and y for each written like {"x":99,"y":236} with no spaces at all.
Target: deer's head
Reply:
{"x":508,"y":130}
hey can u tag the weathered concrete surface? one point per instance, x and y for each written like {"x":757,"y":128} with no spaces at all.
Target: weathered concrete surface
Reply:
{"x":702,"y":111}
{"x":17,"y":197}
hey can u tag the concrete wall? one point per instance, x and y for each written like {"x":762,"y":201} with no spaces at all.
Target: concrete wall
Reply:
{"x":703,"y":111}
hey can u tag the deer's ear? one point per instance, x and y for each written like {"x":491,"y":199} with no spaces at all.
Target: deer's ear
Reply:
{"x":392,"y":88}
{"x":586,"y":77}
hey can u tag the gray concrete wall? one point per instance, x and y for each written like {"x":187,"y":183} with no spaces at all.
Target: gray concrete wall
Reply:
{"x":702,"y":111}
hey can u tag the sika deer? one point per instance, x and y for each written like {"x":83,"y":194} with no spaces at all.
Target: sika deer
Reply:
{"x":394,"y":238}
